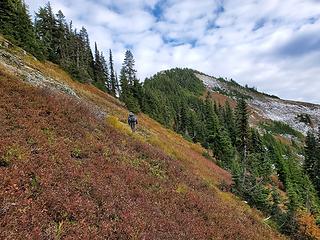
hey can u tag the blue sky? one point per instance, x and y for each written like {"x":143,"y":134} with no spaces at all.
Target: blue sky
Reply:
{"x":273,"y":45}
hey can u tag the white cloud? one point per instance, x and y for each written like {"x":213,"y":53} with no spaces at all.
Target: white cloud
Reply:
{"x":272,"y":45}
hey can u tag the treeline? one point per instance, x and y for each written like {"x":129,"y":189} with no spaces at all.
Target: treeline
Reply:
{"x":262,"y":167}
{"x":52,"y":38}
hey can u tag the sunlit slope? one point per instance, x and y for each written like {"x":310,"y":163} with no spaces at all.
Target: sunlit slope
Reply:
{"x":71,"y":168}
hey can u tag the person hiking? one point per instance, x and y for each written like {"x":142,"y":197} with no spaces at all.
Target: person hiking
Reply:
{"x":132,"y":121}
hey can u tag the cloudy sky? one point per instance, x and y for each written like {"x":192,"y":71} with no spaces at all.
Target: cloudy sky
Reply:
{"x":273,"y":45}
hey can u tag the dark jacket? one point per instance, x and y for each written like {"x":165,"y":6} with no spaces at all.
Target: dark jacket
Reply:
{"x":132,"y":119}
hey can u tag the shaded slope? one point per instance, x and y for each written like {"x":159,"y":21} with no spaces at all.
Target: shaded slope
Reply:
{"x":66,"y":172}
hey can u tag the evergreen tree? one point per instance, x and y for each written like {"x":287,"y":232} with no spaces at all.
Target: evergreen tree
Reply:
{"x":47,"y":31}
{"x":242,"y":139}
{"x":99,"y":73}
{"x":212,"y":121}
{"x":16,"y":25}
{"x":137,"y":91}
{"x":126,"y":94}
{"x":242,"y":128}
{"x":312,"y":159}
{"x":113,"y":80}
{"x":128,"y":66}
{"x":86,"y":58}
{"x":310,"y":155}
{"x":106,"y":73}
{"x":61,"y":36}
{"x":131,"y":89}
{"x":229,"y":122}
{"x":117,"y":85}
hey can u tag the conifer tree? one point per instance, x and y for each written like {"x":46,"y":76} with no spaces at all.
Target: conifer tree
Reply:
{"x":124,"y":84}
{"x":242,"y":127}
{"x":117,"y":85}
{"x":310,"y":154}
{"x":61,"y":36}
{"x":312,"y":159}
{"x":212,"y":122}
{"x":46,"y":29}
{"x":126,"y":94}
{"x":16,"y":25}
{"x":113,"y":80}
{"x":99,"y":74}
{"x":86,"y":57}
{"x":131,"y":89}
{"x":129,"y":69}
{"x":317,"y":164}
{"x":230,"y":122}
{"x":242,"y":133}
{"x":105,"y":73}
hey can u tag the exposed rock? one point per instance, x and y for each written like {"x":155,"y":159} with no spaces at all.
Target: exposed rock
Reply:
{"x":16,"y":65}
{"x":271,"y":108}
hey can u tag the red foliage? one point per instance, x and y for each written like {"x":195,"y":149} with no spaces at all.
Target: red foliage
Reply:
{"x":70,"y":176}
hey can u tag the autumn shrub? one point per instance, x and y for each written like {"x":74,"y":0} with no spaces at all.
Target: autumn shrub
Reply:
{"x":127,"y":188}
{"x":10,"y":154}
{"x":308,"y":227}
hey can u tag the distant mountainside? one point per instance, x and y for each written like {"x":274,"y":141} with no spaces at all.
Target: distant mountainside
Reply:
{"x":299,"y":115}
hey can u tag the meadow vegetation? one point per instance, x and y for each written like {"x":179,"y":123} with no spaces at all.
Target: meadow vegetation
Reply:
{"x":69,"y":171}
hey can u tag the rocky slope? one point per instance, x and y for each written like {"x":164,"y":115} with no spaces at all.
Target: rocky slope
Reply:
{"x":300,"y":116}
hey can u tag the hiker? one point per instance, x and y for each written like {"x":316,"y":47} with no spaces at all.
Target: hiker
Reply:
{"x":132,"y":121}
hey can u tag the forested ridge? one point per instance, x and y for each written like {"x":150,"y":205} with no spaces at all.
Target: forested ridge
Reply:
{"x":267,"y":173}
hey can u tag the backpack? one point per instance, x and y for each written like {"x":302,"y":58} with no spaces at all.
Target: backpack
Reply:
{"x":132,"y":119}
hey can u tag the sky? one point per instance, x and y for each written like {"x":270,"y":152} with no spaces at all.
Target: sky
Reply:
{"x":273,"y":45}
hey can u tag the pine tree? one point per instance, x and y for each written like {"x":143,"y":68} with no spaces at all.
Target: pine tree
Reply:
{"x":131,"y":89}
{"x":47,"y":31}
{"x":317,"y":164}
{"x":16,"y":25}
{"x":113,"y":80}
{"x":126,"y":94}
{"x":117,"y":85}
{"x":312,"y":158}
{"x":137,"y":91}
{"x":124,"y":84}
{"x":86,"y":57}
{"x":61,"y":36}
{"x":106,"y":73}
{"x":230,"y":123}
{"x":242,"y":133}
{"x":310,"y":155}
{"x":242,"y":127}
{"x":211,"y":118}
{"x":129,"y":69}
{"x":99,"y":74}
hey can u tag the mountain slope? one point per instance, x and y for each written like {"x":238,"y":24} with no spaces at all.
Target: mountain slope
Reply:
{"x":71,"y":168}
{"x":265,"y":157}
{"x":299,"y":115}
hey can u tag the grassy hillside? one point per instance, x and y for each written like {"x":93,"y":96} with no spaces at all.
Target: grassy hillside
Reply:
{"x":71,"y":168}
